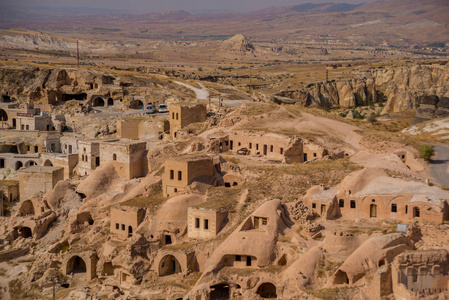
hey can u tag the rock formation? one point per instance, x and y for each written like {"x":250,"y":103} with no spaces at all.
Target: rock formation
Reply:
{"x":239,"y":44}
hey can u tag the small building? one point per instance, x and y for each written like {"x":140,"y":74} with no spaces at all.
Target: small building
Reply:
{"x":125,"y":220}
{"x":142,"y":128}
{"x":38,"y":179}
{"x":127,"y":157}
{"x":204,"y":222}
{"x":417,"y":274}
{"x":66,"y":161}
{"x":88,"y":157}
{"x":9,"y":190}
{"x":181,"y":171}
{"x":182,"y":115}
{"x":273,"y":146}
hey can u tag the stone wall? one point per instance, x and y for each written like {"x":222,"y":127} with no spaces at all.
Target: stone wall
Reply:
{"x":204,"y":223}
{"x":128,"y":158}
{"x":182,"y":115}
{"x":38,"y":179}
{"x":125,"y":220}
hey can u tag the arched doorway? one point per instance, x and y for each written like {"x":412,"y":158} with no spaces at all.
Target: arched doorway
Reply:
{"x":110,"y":102}
{"x":25,"y":232}
{"x":48,"y":163}
{"x":18,"y":165}
{"x":98,"y":102}
{"x":341,"y":277}
{"x":136,"y":104}
{"x":76,"y":265}
{"x":267,"y":290}
{"x":30,"y":163}
{"x":169,"y":265}
{"x":220,"y":291}
{"x":3,"y":115}
{"x":373,"y":211}
{"x":416,"y":212}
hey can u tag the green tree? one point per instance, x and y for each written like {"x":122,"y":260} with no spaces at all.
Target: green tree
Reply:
{"x":426,"y":152}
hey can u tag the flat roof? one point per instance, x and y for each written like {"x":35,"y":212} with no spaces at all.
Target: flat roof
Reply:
{"x":190,"y":157}
{"x":122,"y":142}
{"x":9,"y":182}
{"x":40,"y":169}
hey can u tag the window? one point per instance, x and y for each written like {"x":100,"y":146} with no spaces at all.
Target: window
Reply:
{"x":22,"y":127}
{"x":179,"y":175}
{"x":36,"y":149}
{"x":28,"y":127}
{"x":406,"y":209}
{"x":227,"y":143}
{"x":173,"y":115}
{"x":238,"y":258}
{"x":314,"y":154}
{"x":176,"y":116}
{"x":341,"y":203}
{"x":282,"y":151}
{"x":240,"y":144}
{"x":257,"y":146}
{"x":416,"y":212}
{"x":394,"y":208}
{"x":29,"y":148}
{"x":264,"y":221}
{"x":123,"y":226}
{"x":117,"y":226}
{"x":271,"y":148}
{"x":172,"y":174}
{"x":114,"y":156}
{"x":176,"y":190}
{"x":248,"y":261}
{"x":197,"y":222}
{"x":250,"y":145}
{"x":206,"y":224}
{"x":313,"y":205}
{"x":352,"y":203}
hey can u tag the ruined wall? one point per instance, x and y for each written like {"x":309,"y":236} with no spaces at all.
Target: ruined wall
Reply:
{"x":181,"y":116}
{"x":68,"y":162}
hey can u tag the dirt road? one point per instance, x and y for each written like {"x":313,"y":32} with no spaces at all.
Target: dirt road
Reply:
{"x":439,"y":169}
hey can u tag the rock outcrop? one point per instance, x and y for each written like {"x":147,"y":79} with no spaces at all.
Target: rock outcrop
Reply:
{"x":239,"y":44}
{"x":402,"y":87}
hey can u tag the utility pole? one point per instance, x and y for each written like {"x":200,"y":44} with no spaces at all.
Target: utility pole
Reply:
{"x":78,"y":53}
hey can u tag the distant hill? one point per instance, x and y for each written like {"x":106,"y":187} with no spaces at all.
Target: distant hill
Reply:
{"x":324,"y":7}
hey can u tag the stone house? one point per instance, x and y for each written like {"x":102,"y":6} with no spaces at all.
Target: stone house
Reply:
{"x":278,"y":147}
{"x":10,"y":190}
{"x":125,"y":220}
{"x":205,"y":223}
{"x":127,"y":157}
{"x":88,"y":156}
{"x":382,"y":198}
{"x":38,"y":179}
{"x":66,"y":161}
{"x":182,"y":171}
{"x":182,"y":115}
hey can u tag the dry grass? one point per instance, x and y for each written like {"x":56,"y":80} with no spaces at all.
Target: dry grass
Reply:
{"x":288,"y":182}
{"x":222,"y":197}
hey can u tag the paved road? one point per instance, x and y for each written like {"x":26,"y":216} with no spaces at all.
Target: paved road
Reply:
{"x":439,"y":169}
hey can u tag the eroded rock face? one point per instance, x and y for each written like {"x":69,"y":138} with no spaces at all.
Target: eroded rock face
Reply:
{"x":403,"y":87}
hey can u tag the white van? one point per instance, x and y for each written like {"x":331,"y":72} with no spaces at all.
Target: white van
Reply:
{"x":163,"y":108}
{"x":149,"y":109}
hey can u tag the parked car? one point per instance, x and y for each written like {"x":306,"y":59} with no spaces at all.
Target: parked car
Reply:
{"x":243,"y":151}
{"x":162,"y":108}
{"x":149,"y":109}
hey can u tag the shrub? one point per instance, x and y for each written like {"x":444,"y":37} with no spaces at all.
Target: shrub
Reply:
{"x":426,"y":152}
{"x":371,"y":118}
